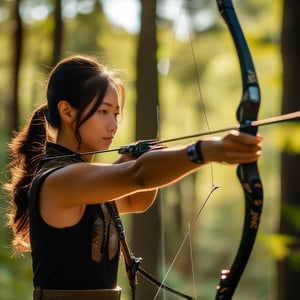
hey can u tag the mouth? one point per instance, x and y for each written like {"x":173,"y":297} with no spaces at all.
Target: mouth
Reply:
{"x":108,"y":139}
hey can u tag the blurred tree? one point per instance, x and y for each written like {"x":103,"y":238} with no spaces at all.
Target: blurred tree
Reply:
{"x":85,"y":32}
{"x":58,"y":33}
{"x":146,"y":229}
{"x":13,"y":111}
{"x":289,"y":267}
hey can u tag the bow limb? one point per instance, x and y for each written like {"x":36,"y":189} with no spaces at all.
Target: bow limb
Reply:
{"x":248,"y":174}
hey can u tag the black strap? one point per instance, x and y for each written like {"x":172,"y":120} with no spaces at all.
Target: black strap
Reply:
{"x":132,"y":263}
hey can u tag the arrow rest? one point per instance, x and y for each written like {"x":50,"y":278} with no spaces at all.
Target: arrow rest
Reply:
{"x":137,"y":149}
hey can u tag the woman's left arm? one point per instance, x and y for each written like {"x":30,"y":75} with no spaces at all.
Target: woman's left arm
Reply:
{"x":138,"y":202}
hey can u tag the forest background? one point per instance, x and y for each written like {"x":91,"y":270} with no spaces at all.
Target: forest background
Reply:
{"x":196,"y":67}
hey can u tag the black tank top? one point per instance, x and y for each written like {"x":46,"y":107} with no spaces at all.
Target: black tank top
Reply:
{"x":82,"y":256}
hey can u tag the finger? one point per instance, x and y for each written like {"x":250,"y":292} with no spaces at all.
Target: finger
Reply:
{"x":242,"y":137}
{"x":242,"y":157}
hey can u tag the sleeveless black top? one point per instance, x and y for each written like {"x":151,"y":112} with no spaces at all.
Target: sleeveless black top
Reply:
{"x":82,"y":256}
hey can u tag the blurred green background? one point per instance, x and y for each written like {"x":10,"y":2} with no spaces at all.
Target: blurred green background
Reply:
{"x":109,"y":29}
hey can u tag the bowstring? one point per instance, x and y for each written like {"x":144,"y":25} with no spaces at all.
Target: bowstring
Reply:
{"x":199,"y":89}
{"x":203,"y":110}
{"x":165,"y":69}
{"x":192,"y":260}
{"x":191,"y":225}
{"x":186,"y":237}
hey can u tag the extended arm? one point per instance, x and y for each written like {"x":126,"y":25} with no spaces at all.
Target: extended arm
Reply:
{"x":87,"y":183}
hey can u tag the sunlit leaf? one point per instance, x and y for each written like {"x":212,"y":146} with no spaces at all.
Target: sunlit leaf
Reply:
{"x":277,"y":245}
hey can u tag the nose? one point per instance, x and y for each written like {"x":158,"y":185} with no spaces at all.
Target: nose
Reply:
{"x":113,"y":124}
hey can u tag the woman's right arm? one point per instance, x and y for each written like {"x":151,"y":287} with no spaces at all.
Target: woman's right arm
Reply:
{"x":87,"y":183}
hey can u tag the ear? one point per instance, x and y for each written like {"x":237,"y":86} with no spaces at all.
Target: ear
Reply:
{"x":66,"y":111}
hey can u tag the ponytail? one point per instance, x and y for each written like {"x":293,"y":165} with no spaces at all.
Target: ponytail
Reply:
{"x":26,"y":148}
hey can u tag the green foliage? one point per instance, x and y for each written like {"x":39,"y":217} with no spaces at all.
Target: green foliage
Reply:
{"x":15,"y":276}
{"x":217,"y":232}
{"x":291,"y":214}
{"x":289,"y":143}
{"x":15,"y":272}
{"x":276,"y":245}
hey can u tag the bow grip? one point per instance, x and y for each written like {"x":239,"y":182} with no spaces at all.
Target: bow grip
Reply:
{"x":248,"y":108}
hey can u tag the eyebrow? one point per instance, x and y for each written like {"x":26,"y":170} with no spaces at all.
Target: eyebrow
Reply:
{"x":109,"y":104}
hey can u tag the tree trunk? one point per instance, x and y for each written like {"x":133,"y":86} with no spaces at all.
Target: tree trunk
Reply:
{"x":58,"y":33}
{"x":146,"y":228}
{"x":288,"y":268}
{"x":13,"y":111}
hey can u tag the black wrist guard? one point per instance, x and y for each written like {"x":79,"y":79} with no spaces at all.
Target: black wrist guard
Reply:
{"x":194,"y":153}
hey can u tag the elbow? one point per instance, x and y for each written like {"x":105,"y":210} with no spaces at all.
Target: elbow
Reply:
{"x":138,"y":177}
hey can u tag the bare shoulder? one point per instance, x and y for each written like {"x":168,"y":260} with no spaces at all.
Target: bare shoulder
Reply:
{"x":52,"y":199}
{"x":62,"y":184}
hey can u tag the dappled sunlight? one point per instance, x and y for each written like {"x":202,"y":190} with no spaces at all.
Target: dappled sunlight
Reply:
{"x":182,"y":96}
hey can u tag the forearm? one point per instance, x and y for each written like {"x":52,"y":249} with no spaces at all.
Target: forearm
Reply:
{"x":162,"y":167}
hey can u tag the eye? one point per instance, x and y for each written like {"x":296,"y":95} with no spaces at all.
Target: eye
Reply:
{"x":102,"y":111}
{"x":117,"y":117}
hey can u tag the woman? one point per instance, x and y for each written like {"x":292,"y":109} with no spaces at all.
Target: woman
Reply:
{"x":58,"y":199}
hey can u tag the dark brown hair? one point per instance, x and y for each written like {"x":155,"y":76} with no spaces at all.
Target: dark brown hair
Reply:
{"x":76,"y":79}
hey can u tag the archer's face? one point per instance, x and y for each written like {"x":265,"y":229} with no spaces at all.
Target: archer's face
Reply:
{"x":98,"y":131}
